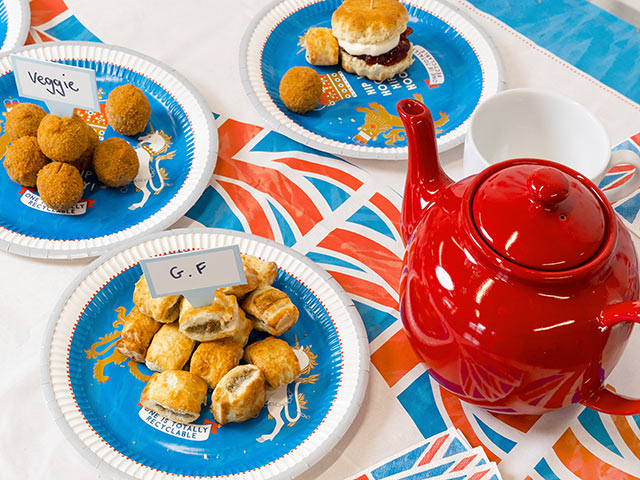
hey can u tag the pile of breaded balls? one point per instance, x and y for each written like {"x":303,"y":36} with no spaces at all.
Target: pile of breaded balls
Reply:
{"x":196,"y":349}
{"x":49,"y":152}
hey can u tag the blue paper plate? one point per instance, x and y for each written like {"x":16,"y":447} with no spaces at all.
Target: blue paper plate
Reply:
{"x":455,"y":68}
{"x":176,"y":153}
{"x":97,"y":390}
{"x":15,"y":16}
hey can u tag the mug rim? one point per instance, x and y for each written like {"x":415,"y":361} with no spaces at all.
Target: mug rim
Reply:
{"x":470,"y":141}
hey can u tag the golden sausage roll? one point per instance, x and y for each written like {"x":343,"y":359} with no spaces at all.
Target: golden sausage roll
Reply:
{"x":239,"y":395}
{"x":211,"y":322}
{"x":322,"y":47}
{"x":276,"y":359}
{"x":241,"y":290}
{"x":213,"y":360}
{"x":245,"y":327}
{"x":175,"y":394}
{"x":271,"y":310}
{"x":267,"y":271}
{"x":137,"y":332}
{"x":170,"y":349}
{"x":161,"y":309}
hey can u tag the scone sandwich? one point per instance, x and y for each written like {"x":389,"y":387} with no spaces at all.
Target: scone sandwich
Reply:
{"x":373,"y":41}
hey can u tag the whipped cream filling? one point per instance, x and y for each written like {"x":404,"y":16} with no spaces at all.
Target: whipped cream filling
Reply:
{"x":373,"y":49}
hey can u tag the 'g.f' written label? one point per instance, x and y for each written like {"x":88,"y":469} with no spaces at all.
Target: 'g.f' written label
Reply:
{"x":61,"y":87}
{"x":196,"y":275}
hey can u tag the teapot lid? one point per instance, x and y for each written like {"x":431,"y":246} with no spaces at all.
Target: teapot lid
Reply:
{"x":539,"y":217}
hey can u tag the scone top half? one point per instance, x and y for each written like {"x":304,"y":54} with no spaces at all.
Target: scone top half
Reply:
{"x":362,"y":30}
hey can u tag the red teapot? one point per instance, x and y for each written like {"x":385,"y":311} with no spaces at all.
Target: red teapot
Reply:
{"x":519,"y":284}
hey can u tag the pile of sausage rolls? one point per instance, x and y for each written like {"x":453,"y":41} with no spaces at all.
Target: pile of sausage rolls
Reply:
{"x":168,"y":333}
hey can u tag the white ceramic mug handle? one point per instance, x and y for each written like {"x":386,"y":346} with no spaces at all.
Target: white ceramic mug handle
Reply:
{"x":624,"y":157}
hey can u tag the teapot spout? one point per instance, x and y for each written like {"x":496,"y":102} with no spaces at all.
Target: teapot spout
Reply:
{"x":425,"y":177}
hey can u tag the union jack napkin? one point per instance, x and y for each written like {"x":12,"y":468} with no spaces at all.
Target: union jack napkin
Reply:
{"x":438,"y":457}
{"x":460,"y":462}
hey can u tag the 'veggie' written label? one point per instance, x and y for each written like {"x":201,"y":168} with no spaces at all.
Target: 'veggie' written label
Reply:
{"x":196,"y":275}
{"x":61,"y":87}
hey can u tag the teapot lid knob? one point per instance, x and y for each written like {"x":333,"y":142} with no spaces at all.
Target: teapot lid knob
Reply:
{"x":548,"y":186}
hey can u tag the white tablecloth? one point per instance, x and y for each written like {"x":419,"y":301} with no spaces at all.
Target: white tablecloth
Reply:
{"x":201,"y":39}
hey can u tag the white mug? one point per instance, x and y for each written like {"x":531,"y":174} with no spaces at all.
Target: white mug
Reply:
{"x":527,"y":123}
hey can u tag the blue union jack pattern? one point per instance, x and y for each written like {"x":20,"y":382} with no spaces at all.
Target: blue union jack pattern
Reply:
{"x":329,"y":209}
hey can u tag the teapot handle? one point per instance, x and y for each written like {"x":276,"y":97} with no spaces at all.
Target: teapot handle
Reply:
{"x":605,"y":400}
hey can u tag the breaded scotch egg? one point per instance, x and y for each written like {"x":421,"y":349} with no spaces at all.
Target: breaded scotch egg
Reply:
{"x":62,"y":139}
{"x":115,"y":162}
{"x":24,"y":160}
{"x":60,"y":185}
{"x":128,"y":110}
{"x":85,"y":161}
{"x":300,"y":89}
{"x":23,"y":120}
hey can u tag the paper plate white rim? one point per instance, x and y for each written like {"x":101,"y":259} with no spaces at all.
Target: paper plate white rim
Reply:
{"x":269,"y":17}
{"x":19,"y":20}
{"x":59,"y":331}
{"x":205,"y":149}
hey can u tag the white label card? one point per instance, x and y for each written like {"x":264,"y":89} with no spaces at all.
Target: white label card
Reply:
{"x":61,"y":87}
{"x":196,"y":275}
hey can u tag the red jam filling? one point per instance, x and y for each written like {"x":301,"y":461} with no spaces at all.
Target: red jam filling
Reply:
{"x":393,"y":56}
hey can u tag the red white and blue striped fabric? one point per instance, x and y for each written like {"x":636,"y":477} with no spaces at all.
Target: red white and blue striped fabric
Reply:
{"x":51,"y":20}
